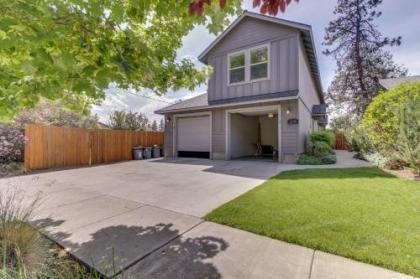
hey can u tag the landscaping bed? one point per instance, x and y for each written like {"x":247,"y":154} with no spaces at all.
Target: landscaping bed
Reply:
{"x":11,"y":169}
{"x":360,"y":213}
{"x":24,"y":251}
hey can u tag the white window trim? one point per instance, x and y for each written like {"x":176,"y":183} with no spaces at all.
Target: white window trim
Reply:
{"x":229,"y":68}
{"x":247,"y":53}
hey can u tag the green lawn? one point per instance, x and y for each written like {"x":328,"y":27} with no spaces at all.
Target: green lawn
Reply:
{"x":363,"y":213}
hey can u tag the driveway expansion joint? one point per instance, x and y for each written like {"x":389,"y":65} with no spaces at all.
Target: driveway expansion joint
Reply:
{"x":312,"y":265}
{"x":136,"y":261}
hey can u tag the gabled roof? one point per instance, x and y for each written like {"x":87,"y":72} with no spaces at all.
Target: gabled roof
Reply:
{"x":393,"y":82}
{"x":304,"y":29}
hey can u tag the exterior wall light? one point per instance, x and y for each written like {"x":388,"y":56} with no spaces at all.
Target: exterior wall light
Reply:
{"x":168,"y":119}
{"x":270,"y":115}
{"x":288,"y":111}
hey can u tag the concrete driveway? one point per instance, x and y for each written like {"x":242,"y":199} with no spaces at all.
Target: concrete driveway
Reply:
{"x":189,"y":186}
{"x":142,"y":219}
{"x":117,"y":214}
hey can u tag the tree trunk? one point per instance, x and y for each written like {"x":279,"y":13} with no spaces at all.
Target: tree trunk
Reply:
{"x":358,"y":57}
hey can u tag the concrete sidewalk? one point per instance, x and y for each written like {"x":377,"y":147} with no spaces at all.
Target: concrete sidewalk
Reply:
{"x":134,"y":240}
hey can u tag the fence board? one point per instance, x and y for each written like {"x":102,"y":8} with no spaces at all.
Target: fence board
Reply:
{"x":50,"y":146}
{"x":340,"y":142}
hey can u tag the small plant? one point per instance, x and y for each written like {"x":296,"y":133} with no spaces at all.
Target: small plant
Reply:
{"x":20,"y":251}
{"x":395,"y":164}
{"x":10,"y":169}
{"x":305,"y":159}
{"x":323,"y":136}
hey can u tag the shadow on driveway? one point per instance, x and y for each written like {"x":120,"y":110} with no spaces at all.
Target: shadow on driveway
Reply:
{"x":114,"y":249}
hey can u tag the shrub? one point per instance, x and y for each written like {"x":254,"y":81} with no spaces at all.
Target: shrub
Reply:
{"x":48,"y":112}
{"x":305,"y":159}
{"x":318,"y":149}
{"x":408,"y":143}
{"x":308,"y":160}
{"x":329,"y":159}
{"x":360,"y":143}
{"x":381,"y":116}
{"x":12,"y":140}
{"x":323,"y":136}
{"x":395,"y":164}
{"x":321,"y":148}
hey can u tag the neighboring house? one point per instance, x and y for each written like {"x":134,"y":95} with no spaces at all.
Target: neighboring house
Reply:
{"x":390,"y":83}
{"x":265,"y":91}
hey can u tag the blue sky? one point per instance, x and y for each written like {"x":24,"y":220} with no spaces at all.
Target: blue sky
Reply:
{"x":399,"y":18}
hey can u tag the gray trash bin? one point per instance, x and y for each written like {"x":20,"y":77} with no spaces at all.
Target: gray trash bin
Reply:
{"x":155,"y":151}
{"x":147,"y":152}
{"x":137,"y":153}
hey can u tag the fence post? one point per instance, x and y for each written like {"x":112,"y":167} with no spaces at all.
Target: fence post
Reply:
{"x":26,"y":150}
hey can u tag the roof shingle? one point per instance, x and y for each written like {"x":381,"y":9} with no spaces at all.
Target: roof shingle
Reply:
{"x":390,"y":83}
{"x":198,"y":102}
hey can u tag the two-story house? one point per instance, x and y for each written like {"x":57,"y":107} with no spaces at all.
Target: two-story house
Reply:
{"x":264,"y":95}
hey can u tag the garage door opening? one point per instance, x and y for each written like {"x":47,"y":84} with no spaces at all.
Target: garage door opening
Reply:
{"x":193,"y":137}
{"x":254,"y":135}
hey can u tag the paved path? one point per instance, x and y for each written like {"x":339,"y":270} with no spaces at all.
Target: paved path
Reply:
{"x":143,"y":220}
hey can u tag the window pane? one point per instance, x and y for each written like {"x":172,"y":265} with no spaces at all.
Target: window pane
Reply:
{"x":237,"y":75}
{"x":259,"y":55}
{"x":237,"y":60}
{"x":259,"y":71}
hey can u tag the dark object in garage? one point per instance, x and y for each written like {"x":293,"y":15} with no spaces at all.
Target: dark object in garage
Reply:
{"x":194,"y":154}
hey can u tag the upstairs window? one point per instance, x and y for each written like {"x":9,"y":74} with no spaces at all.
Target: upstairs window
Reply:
{"x":248,"y":65}
{"x":259,"y":63}
{"x":237,"y":68}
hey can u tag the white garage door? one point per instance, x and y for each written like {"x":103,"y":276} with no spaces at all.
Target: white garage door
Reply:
{"x":193,"y":134}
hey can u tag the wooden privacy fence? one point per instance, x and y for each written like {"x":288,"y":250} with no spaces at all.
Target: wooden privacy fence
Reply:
{"x":340,"y":142}
{"x":50,"y":146}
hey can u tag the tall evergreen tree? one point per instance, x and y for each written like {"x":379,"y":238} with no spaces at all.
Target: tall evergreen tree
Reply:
{"x":123,"y":120}
{"x":154,"y":125}
{"x":162,"y":125}
{"x":354,"y":41}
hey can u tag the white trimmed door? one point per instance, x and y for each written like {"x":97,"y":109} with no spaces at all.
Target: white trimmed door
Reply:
{"x":193,"y":136}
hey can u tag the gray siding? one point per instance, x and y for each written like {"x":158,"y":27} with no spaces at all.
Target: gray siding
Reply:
{"x":218,"y":140}
{"x":289,"y":133}
{"x":283,"y":62}
{"x":305,"y":125}
{"x":307,"y":98}
{"x":168,"y":146}
{"x":307,"y":88}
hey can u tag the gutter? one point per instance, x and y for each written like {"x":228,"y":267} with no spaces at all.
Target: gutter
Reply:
{"x":163,"y":112}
